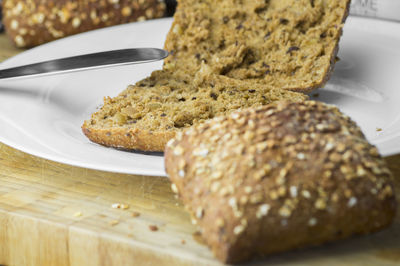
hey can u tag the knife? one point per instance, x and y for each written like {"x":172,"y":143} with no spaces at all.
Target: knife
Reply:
{"x":86,"y":61}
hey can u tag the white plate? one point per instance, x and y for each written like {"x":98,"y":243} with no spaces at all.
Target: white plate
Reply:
{"x":43,"y":116}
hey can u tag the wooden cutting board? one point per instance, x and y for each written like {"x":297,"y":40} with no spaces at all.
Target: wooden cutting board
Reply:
{"x":55,"y":214}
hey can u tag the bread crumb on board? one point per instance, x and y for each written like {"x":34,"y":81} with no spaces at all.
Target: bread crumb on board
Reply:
{"x":120,"y":206}
{"x":114,"y":222}
{"x":135,"y":214}
{"x":153,"y":228}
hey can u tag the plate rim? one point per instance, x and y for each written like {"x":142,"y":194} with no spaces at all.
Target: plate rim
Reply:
{"x":389,"y":150}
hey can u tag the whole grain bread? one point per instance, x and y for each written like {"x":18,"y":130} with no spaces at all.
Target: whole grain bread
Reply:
{"x":279,"y":177}
{"x":287,"y":44}
{"x":34,"y":22}
{"x":146,"y":116}
{"x":224,"y":55}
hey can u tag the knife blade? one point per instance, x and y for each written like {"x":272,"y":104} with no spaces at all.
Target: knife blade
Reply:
{"x":86,"y":61}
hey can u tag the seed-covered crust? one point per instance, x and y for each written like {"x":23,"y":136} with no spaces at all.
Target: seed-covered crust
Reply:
{"x":33,"y":22}
{"x":279,"y":177}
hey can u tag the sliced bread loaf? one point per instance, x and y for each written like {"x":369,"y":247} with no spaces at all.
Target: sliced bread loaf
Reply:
{"x":279,"y":177}
{"x":225,"y":55}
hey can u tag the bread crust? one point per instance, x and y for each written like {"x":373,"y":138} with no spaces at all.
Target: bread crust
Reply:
{"x":38,"y":22}
{"x":132,"y":139}
{"x":333,"y":59}
{"x":279,"y":177}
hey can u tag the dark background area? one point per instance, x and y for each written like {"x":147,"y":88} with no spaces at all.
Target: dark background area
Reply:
{"x":1,"y":24}
{"x":171,"y":5}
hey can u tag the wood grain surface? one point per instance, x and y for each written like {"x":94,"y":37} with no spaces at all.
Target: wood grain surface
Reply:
{"x":56,"y":214}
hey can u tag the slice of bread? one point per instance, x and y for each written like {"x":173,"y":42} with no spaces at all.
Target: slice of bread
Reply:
{"x":279,"y":177}
{"x":224,"y":55}
{"x":145,"y":116}
{"x":287,"y":44}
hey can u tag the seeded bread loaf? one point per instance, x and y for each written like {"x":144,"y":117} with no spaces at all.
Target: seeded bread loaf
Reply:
{"x":30,"y":23}
{"x":279,"y":177}
{"x":225,"y":55}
